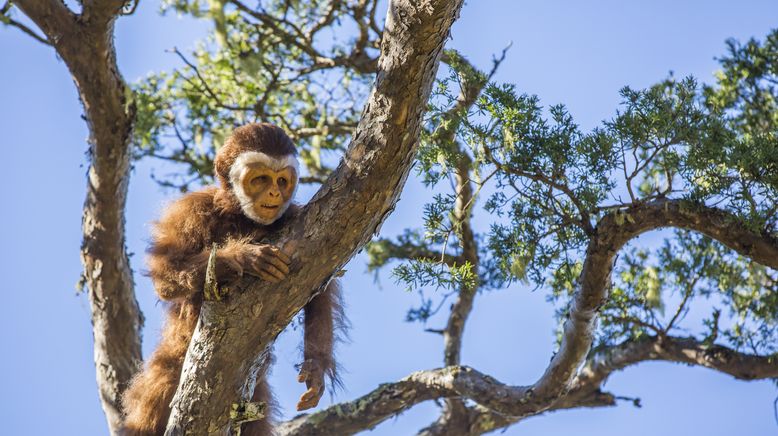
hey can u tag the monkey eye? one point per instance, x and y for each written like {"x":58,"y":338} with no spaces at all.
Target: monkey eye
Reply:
{"x":282,"y":181}
{"x":259,"y":180}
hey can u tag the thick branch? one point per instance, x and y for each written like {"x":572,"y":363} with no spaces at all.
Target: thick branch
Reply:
{"x":743,"y":366}
{"x":89,"y":54}
{"x":51,"y":16}
{"x":340,"y":219}
{"x":612,"y":233}
{"x":602,"y":363}
{"x":392,"y":398}
{"x":492,"y":396}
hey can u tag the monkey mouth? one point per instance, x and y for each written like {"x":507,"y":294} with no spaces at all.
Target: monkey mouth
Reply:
{"x":270,"y":206}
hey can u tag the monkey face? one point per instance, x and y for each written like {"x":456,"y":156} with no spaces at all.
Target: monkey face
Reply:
{"x":264,"y":185}
{"x":270,"y":190}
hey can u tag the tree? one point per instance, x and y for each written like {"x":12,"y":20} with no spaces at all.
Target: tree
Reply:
{"x":84,"y":41}
{"x":565,"y":202}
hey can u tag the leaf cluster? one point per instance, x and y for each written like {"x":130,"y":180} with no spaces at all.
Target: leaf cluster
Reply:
{"x":547,"y":184}
{"x":279,"y":61}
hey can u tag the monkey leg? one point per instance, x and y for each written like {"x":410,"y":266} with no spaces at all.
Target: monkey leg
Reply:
{"x":147,"y":401}
{"x":263,"y":427}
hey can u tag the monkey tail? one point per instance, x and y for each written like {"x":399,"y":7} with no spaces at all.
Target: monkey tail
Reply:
{"x":147,"y":401}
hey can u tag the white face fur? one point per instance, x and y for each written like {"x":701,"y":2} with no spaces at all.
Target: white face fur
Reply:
{"x":264,"y":185}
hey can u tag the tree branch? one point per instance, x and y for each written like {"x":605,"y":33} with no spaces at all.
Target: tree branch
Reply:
{"x":391,"y":398}
{"x":51,"y":16}
{"x":490,"y":395}
{"x":614,"y":231}
{"x":6,"y":19}
{"x":605,"y":361}
{"x":353,"y":204}
{"x":87,"y":50}
{"x":602,"y":363}
{"x":100,"y":12}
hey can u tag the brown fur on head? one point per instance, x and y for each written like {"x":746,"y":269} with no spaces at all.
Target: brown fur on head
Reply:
{"x":259,"y":137}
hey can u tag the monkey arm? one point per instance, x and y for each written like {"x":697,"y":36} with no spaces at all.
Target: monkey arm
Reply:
{"x":324,"y":321}
{"x":179,"y":271}
{"x":181,"y":245}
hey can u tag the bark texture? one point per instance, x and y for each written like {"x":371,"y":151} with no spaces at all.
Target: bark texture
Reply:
{"x":221,"y":363}
{"x":491,"y":395}
{"x":85,"y":43}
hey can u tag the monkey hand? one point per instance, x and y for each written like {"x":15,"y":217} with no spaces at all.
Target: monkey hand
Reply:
{"x":266,"y":262}
{"x":312,"y":374}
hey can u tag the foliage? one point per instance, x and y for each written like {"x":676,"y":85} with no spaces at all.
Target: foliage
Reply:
{"x":547,"y":184}
{"x":283,"y":62}
{"x":691,"y":268}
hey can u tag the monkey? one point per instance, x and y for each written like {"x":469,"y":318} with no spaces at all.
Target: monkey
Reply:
{"x":258,"y":173}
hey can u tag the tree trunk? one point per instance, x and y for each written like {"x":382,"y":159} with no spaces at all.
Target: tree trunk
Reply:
{"x":221,"y":364}
{"x":85,"y":43}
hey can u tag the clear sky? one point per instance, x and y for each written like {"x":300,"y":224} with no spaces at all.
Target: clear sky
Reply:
{"x":572,"y":52}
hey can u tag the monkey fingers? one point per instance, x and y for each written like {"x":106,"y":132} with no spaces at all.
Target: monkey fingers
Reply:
{"x":261,"y":270}
{"x":271,"y":270}
{"x":313,"y":376}
{"x":281,"y":255}
{"x":258,"y":267}
{"x":234,"y":265}
{"x":277,"y":262}
{"x":310,"y":398}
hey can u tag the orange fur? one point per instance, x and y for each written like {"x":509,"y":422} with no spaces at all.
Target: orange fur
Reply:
{"x":147,"y":400}
{"x":181,"y":244}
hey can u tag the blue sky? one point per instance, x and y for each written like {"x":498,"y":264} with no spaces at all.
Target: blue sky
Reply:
{"x":577,"y":53}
